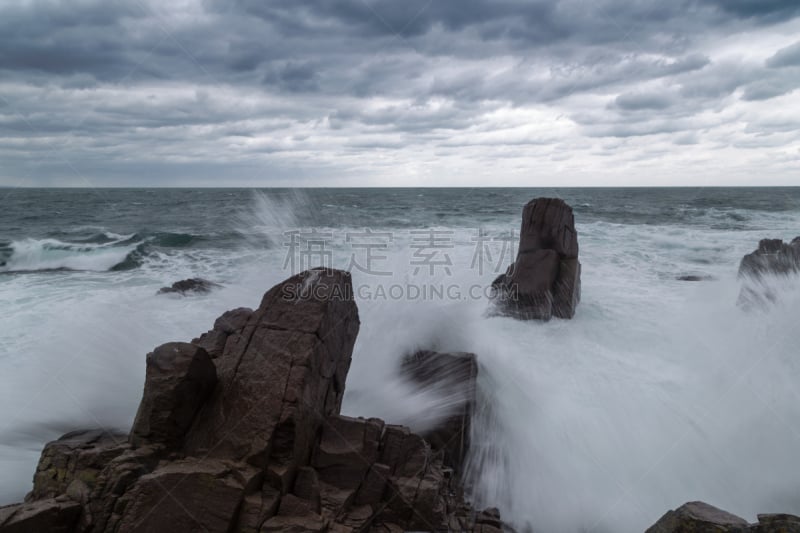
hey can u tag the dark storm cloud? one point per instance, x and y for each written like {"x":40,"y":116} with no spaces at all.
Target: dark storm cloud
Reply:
{"x":293,"y":77}
{"x":766,"y":10}
{"x":98,"y":81}
{"x":63,"y":38}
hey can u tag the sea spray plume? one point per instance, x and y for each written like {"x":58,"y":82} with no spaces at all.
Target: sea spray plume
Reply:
{"x":271,"y":214}
{"x":774,"y":262}
{"x":599,"y":425}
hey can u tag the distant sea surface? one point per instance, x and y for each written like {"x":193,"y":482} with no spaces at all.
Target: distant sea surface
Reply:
{"x":659,"y":391}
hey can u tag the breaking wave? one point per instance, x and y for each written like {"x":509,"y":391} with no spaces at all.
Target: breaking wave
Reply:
{"x":98,"y":253}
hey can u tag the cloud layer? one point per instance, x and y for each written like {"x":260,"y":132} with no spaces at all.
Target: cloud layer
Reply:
{"x":380,"y":92}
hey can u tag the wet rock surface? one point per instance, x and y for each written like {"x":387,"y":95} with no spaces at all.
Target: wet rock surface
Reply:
{"x":240,"y":431}
{"x":545,"y":279}
{"x":48,"y":515}
{"x":190,"y":285}
{"x":695,"y":277}
{"x":700,"y":517}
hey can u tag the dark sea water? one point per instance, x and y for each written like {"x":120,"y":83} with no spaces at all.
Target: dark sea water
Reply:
{"x":659,"y":391}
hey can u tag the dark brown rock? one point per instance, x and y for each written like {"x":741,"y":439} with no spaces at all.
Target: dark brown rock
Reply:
{"x":284,"y":374}
{"x":46,"y":516}
{"x":347,"y":449}
{"x":776,"y":523}
{"x":101,"y":512}
{"x":185,"y":496}
{"x":251,"y":440}
{"x":230,"y":323}
{"x":548,"y":224}
{"x":306,"y":485}
{"x":76,"y":456}
{"x":198,"y":285}
{"x":373,"y":487}
{"x":180,"y":377}
{"x":545,"y":278}
{"x":294,"y":524}
{"x":698,"y":517}
{"x":256,"y":509}
{"x":703,"y":518}
{"x":694,"y":277}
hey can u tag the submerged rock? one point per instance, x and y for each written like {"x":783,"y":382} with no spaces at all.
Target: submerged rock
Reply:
{"x":240,"y":431}
{"x":545,"y":279}
{"x":701,"y":517}
{"x":695,"y":277}
{"x":183,"y":286}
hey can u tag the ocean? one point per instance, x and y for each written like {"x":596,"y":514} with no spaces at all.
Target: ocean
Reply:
{"x":658,"y":392}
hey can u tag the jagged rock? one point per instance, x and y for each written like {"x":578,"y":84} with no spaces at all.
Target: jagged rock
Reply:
{"x":180,"y":376}
{"x":544,"y":281}
{"x":183,"y":286}
{"x":453,"y":377}
{"x":48,"y":515}
{"x":251,"y":439}
{"x":186,"y":495}
{"x":698,"y":517}
{"x":77,"y":456}
{"x":776,"y":523}
{"x":283,"y":374}
{"x":107,"y":497}
{"x":703,"y":518}
{"x":294,"y":524}
{"x":347,"y":449}
{"x":772,"y":258}
{"x":231,"y":322}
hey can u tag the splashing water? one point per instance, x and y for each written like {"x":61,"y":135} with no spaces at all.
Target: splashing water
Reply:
{"x":656,"y":393}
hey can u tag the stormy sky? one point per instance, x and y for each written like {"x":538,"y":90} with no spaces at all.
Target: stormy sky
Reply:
{"x":399,"y":92}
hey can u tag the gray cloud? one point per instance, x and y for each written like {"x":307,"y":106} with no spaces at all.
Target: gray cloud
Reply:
{"x":324,"y":85}
{"x":764,"y":10}
{"x":786,"y":57}
{"x":639,"y":101}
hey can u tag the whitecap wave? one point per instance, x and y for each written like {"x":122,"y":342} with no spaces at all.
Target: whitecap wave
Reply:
{"x":30,"y":255}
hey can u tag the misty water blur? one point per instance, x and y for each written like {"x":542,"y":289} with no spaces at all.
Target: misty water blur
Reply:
{"x":656,"y":393}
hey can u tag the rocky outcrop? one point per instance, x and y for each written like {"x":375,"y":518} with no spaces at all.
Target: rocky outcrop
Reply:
{"x":184,"y":286}
{"x":772,"y":258}
{"x":49,"y":515}
{"x":240,"y":431}
{"x":545,"y":279}
{"x":179,"y":378}
{"x":700,"y":517}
